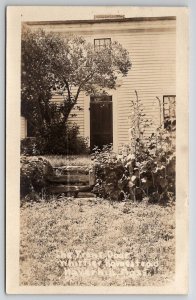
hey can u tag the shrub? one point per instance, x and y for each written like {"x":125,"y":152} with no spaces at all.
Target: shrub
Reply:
{"x":144,"y":168}
{"x":33,"y":175}
{"x":28,"y":146}
{"x":60,"y":138}
{"x":150,"y":160}
{"x":57,"y":138}
{"x":152,"y":169}
{"x":111,"y":181}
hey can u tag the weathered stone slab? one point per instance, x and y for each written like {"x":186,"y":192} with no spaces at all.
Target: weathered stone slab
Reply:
{"x":77,"y":178}
{"x":71,"y":170}
{"x":68,"y":189}
{"x":85,"y":195}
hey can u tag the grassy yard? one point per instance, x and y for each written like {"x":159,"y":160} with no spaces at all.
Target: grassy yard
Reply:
{"x":56,"y":236}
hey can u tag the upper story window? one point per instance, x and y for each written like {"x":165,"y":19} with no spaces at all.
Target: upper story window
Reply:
{"x":169,"y":111}
{"x":102,"y":43}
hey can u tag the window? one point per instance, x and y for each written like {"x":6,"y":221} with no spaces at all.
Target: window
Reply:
{"x":102,"y":43}
{"x":169,"y":111}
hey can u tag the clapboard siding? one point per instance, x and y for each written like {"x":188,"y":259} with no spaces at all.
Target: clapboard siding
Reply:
{"x":23,"y":127}
{"x":79,"y":118}
{"x":152,"y":75}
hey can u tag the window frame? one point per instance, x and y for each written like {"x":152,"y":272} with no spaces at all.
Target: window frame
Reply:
{"x":168,"y":96}
{"x":104,"y":46}
{"x":168,"y":119}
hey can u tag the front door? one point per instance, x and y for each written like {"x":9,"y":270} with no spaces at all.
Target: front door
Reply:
{"x":101,"y":122}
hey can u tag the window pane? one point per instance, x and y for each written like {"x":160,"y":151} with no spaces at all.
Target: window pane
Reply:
{"x":102,"y":43}
{"x":169,"y":110}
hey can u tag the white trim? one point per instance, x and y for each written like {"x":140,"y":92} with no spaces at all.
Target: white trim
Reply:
{"x":114,"y":95}
{"x":87,"y":118}
{"x":23,"y":127}
{"x":88,"y":28}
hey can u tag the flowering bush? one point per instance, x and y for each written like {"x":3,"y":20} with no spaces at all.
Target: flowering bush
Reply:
{"x":150,"y":159}
{"x":144,"y":168}
{"x":151,"y":169}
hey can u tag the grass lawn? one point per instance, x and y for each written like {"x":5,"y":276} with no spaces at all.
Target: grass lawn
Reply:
{"x":57,"y":236}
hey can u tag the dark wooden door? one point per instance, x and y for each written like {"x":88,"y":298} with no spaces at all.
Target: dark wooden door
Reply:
{"x":101,"y":122}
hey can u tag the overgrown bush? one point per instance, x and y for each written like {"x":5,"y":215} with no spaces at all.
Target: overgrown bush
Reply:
{"x":28,"y":146}
{"x":150,"y":159}
{"x":60,"y":138}
{"x":57,"y":138}
{"x":151,"y":169}
{"x":110,"y":174}
{"x":145,"y":168}
{"x":33,"y":175}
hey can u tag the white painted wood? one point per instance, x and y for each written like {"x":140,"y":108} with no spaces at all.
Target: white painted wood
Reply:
{"x":87,"y":118}
{"x":23,"y":127}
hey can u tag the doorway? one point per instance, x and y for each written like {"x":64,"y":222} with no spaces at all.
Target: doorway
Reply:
{"x":101,"y":121}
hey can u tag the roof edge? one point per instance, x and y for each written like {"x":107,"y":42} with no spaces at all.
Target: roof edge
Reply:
{"x":139,"y":19}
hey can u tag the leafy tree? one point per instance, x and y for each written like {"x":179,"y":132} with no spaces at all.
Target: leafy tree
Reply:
{"x":36,"y":77}
{"x":51,"y":62}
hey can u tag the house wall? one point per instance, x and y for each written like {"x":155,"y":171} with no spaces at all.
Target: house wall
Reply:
{"x":152,"y":48}
{"x":23,"y":127}
{"x":152,"y":75}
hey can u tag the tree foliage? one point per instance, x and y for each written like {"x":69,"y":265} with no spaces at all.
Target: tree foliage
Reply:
{"x":68,"y":66}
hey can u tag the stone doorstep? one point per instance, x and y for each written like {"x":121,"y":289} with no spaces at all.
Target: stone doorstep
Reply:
{"x":86,"y":195}
{"x":69,"y":179}
{"x":72,"y":170}
{"x":74,"y":181}
{"x":59,"y":189}
{"x":75,"y":174}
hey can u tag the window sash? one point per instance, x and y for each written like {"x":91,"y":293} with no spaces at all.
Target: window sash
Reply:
{"x":102,"y":43}
{"x":169,"y":106}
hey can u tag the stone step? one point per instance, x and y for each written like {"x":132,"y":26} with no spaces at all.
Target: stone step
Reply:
{"x":64,"y":170}
{"x":73,"y":189}
{"x":69,"y":179}
{"x":85,"y":195}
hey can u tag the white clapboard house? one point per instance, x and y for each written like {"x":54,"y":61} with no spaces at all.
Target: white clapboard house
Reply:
{"x":151,"y":43}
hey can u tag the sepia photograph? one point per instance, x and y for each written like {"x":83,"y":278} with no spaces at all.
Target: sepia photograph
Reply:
{"x":98,"y":148}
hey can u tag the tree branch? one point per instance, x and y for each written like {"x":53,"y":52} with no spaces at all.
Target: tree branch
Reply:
{"x":82,"y":83}
{"x":68,"y":90}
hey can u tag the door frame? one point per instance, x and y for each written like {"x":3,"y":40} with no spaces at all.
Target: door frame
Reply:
{"x":98,"y":105}
{"x":114,"y":95}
